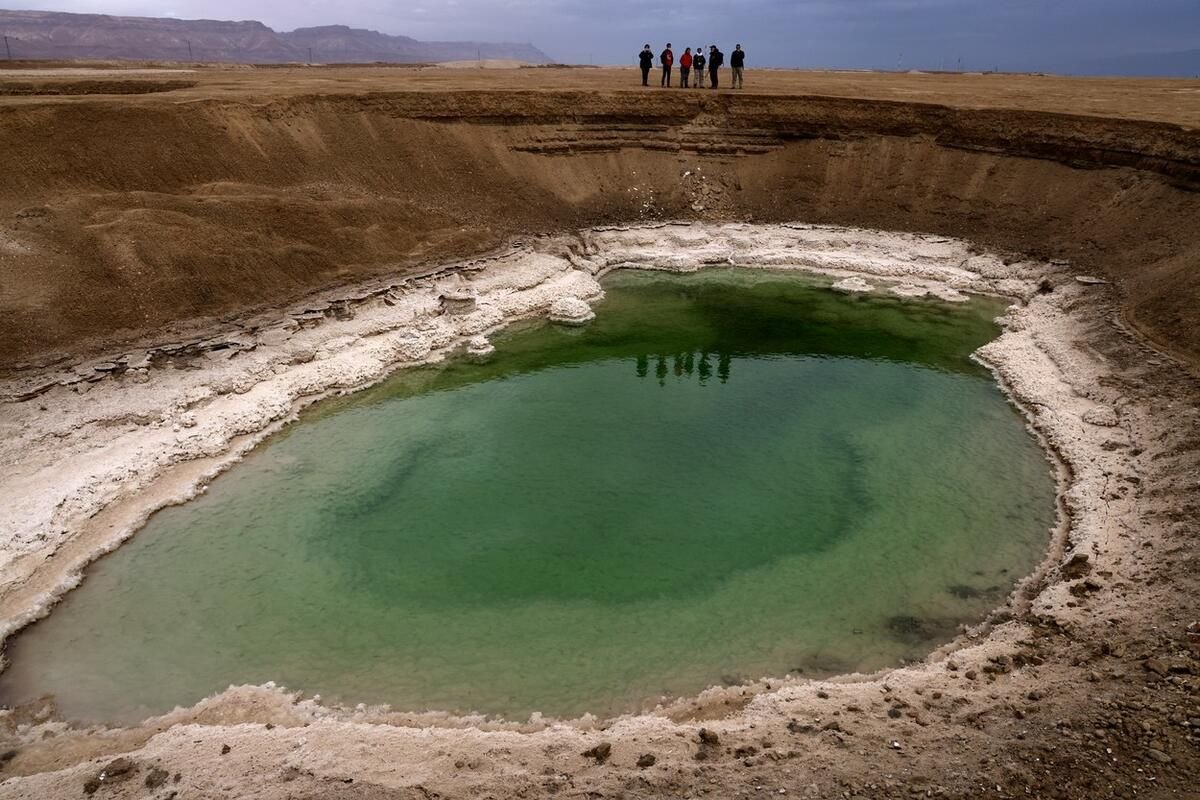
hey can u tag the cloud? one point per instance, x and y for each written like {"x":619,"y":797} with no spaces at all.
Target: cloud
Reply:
{"x":1011,"y":34}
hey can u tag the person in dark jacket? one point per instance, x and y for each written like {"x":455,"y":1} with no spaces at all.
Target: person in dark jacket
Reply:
{"x":646,"y":60}
{"x":737,"y":62}
{"x":715,"y":59}
{"x":698,"y":62}
{"x":685,"y":67}
{"x":667,"y":59}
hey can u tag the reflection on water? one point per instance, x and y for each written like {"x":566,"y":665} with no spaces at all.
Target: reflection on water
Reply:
{"x":686,"y":364}
{"x":593,"y":519}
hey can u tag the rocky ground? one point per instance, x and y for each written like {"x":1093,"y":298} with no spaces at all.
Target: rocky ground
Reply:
{"x":1085,"y":684}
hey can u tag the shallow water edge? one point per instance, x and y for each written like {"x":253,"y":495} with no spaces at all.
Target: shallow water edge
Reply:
{"x":512,"y":287}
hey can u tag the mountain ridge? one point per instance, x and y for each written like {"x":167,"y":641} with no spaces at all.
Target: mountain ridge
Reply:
{"x":63,"y":35}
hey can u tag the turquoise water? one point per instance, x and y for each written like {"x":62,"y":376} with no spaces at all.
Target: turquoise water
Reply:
{"x":727,"y":475}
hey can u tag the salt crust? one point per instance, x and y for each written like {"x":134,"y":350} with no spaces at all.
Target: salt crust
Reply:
{"x":156,"y":434}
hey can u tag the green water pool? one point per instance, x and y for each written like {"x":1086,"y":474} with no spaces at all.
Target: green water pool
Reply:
{"x":727,"y":475}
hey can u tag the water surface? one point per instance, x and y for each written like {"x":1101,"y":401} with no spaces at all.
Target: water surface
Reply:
{"x":727,"y":475}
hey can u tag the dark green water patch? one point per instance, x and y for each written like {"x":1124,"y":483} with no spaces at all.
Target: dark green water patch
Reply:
{"x":727,"y":475}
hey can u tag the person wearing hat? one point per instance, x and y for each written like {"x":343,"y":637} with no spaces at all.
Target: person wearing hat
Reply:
{"x":715,"y":59}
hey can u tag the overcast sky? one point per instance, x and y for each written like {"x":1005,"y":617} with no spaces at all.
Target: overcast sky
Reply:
{"x":1009,"y":34}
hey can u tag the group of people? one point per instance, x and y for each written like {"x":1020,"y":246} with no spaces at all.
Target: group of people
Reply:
{"x":694,"y":64}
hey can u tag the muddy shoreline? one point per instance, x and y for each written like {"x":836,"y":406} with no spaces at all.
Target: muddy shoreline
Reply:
{"x":1092,"y":392}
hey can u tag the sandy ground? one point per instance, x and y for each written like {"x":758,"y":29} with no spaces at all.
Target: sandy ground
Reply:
{"x":1085,"y":684}
{"x":1163,"y":100}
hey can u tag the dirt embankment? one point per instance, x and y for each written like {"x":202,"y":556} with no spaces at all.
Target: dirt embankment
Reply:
{"x":127,"y":217}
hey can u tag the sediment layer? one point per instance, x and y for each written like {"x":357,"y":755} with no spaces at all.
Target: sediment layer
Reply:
{"x":131,"y":215}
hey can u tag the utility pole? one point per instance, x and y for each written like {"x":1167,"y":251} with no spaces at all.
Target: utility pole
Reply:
{"x":310,"y":56}
{"x":189,"y":44}
{"x":7,"y":49}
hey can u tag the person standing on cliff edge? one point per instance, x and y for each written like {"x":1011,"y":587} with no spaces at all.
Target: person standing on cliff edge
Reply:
{"x":667,"y":59}
{"x":646,"y":59}
{"x":737,"y":62}
{"x":685,"y":67}
{"x":698,"y":63}
{"x":715,"y":59}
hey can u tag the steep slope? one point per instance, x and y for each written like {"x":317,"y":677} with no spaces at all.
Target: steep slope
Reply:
{"x":128,"y":217}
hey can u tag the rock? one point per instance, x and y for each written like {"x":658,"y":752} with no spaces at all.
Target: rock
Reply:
{"x":225,"y":749}
{"x":1159,"y":756}
{"x":852,"y":286}
{"x":1157,"y":667}
{"x":156,"y":778}
{"x":599,"y":753}
{"x":1077,"y":567}
{"x":1102,"y":417}
{"x":115,"y":771}
{"x":117,"y":768}
{"x":413,"y":347}
{"x":708,"y":737}
{"x":571,"y":311}
{"x":479,"y":348}
{"x":458,"y":301}
{"x":646,"y":760}
{"x":1090,"y":280}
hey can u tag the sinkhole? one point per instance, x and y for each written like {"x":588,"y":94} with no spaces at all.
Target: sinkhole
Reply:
{"x":728,"y":474}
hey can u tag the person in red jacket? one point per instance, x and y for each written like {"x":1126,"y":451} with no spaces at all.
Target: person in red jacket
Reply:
{"x":685,"y":67}
{"x":667,"y":59}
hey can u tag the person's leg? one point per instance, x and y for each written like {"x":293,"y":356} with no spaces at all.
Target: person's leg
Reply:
{"x":645,"y":76}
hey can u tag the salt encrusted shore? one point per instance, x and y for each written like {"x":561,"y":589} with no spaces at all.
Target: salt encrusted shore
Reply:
{"x":89,"y":451}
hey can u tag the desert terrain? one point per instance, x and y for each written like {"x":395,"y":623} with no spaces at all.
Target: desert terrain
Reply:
{"x":188,"y":255}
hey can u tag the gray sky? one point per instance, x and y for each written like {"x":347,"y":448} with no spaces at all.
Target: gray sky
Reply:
{"x":1009,"y":34}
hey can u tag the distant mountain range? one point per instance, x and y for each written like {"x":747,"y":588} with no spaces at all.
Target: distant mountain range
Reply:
{"x":54,"y":35}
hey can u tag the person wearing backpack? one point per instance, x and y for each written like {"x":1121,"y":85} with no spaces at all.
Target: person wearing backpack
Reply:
{"x":685,"y":67}
{"x":737,"y":62}
{"x":698,"y":62}
{"x":646,"y":59}
{"x":715,"y":59}
{"x":667,"y":59}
